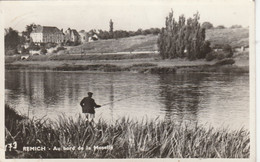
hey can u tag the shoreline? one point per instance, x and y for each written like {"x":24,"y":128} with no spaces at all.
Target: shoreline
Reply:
{"x":132,"y":66}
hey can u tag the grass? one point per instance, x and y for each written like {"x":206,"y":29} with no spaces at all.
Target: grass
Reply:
{"x":130,"y":44}
{"x":218,"y":37}
{"x":236,"y":37}
{"x":129,"y":139}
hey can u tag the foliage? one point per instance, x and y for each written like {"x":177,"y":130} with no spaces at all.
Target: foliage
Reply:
{"x":226,"y":61}
{"x":120,"y":34}
{"x":183,"y":38}
{"x":11,"y":51}
{"x":236,"y":26}
{"x":205,"y":49}
{"x":22,"y":49}
{"x":207,"y":25}
{"x":33,"y":46}
{"x":29,"y":29}
{"x":102,"y":34}
{"x":211,"y":56}
{"x":111,"y":26}
{"x":220,"y":27}
{"x":50,"y":45}
{"x":59,"y":49}
{"x":129,"y":139}
{"x":71,"y":43}
{"x":11,"y":40}
{"x":228,"y":49}
{"x":43,"y":50}
{"x":221,"y":55}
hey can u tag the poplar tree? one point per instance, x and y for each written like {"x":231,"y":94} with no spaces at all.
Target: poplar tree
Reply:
{"x":179,"y":39}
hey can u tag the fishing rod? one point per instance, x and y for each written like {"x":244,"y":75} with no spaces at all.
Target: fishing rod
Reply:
{"x":119,"y":100}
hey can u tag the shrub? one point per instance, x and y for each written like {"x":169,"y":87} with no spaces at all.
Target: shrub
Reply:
{"x":43,"y":50}
{"x":226,"y":61}
{"x":221,"y":55}
{"x":220,"y":27}
{"x":34,"y":47}
{"x":50,"y":45}
{"x":211,"y":56}
{"x":207,"y":25}
{"x":205,"y":49}
{"x":228,"y":49}
{"x":61,"y":48}
{"x":11,"y":52}
{"x":236,"y":26}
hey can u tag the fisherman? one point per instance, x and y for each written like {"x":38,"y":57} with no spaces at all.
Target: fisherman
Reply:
{"x":88,"y":107}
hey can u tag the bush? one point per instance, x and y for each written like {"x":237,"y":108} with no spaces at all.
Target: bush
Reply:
{"x":34,"y":47}
{"x":205,"y":49}
{"x":207,"y":25}
{"x":11,"y":52}
{"x":43,"y":51}
{"x":226,"y":61}
{"x":236,"y":26}
{"x":61,"y":48}
{"x":228,"y":49}
{"x":221,"y":56}
{"x":220,"y":27}
{"x":211,"y":56}
{"x":50,"y":45}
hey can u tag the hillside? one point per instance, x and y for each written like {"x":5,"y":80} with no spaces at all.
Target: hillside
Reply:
{"x":130,"y":44}
{"x":235,"y":37}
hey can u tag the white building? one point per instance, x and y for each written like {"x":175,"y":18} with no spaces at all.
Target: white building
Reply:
{"x":46,"y":34}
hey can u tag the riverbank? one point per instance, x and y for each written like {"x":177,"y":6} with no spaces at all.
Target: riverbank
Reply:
{"x":68,"y":138}
{"x":137,"y":63}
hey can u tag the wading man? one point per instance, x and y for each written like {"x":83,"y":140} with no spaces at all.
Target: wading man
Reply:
{"x":88,"y":107}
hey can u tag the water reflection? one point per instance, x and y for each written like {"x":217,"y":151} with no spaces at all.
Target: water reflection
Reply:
{"x":181,"y":96}
{"x":202,"y":98}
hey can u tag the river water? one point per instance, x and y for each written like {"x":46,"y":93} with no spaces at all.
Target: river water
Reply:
{"x":218,"y":100}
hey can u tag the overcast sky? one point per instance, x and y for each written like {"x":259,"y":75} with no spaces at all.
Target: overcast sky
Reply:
{"x":126,"y":14}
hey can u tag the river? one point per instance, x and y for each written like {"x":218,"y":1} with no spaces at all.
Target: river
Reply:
{"x":218,"y":100}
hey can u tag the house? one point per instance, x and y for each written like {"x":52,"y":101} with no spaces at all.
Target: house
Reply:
{"x":71,"y":35}
{"x":46,"y":34}
{"x":83,"y":36}
{"x":92,"y":37}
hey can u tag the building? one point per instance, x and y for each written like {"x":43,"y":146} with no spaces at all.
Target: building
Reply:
{"x":83,"y":36}
{"x":46,"y":34}
{"x":92,"y":37}
{"x":71,"y":35}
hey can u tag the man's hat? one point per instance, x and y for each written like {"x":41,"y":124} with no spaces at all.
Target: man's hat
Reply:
{"x":90,"y":93}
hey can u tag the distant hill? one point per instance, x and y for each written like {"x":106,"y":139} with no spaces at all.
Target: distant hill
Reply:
{"x":235,"y":37}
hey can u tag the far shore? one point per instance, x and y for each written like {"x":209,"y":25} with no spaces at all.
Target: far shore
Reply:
{"x":142,"y":63}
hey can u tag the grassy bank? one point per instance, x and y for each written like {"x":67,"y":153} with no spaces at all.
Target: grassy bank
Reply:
{"x":141,"y":66}
{"x":123,"y":139}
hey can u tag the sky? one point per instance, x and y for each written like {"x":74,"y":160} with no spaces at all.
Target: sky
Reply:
{"x":126,"y":14}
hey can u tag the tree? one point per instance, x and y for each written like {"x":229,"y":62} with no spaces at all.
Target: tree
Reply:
{"x":182,"y":38}
{"x":236,"y":26}
{"x":28,"y":30}
{"x":220,"y":27}
{"x":12,"y":39}
{"x":207,"y":25}
{"x":228,"y":49}
{"x":111,"y":26}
